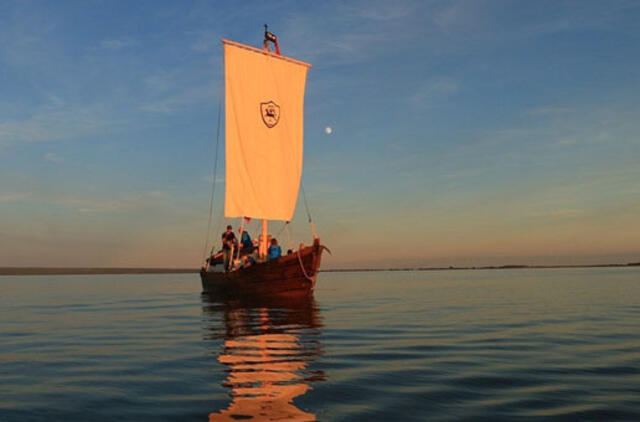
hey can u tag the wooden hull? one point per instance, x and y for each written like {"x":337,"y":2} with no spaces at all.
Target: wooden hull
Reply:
{"x":290,"y":274}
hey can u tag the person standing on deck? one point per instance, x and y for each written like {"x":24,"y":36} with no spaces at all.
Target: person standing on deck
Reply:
{"x":246,"y":244}
{"x":229,"y":241}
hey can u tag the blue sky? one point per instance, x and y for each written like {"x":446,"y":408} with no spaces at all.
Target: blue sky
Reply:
{"x":464,"y":132}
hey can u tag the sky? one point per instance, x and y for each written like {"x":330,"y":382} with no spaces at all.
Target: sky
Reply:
{"x":462,"y":132}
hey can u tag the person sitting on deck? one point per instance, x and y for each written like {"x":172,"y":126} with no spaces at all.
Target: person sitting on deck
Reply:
{"x":245,"y":241}
{"x":248,"y":261}
{"x":274,"y":250}
{"x":214,"y":259}
{"x":228,"y":242}
{"x":255,"y":255}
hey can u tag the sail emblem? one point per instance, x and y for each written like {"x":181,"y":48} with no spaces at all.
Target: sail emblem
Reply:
{"x":270,"y":113}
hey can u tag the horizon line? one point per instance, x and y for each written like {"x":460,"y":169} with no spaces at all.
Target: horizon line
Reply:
{"x":47,"y":270}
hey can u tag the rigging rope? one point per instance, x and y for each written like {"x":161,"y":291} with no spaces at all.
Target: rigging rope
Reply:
{"x":306,"y":205}
{"x":286,"y":223}
{"x":302,"y":267}
{"x":289,"y":241}
{"x":215,"y":168}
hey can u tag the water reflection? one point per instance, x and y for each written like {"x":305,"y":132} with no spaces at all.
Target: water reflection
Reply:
{"x":268,"y":346}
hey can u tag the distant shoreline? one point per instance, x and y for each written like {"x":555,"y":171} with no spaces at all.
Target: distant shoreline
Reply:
{"x":79,"y":271}
{"x":488,"y":267}
{"x":96,"y":270}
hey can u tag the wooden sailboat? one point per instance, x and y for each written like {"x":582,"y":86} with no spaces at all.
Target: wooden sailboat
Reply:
{"x":264,"y":99}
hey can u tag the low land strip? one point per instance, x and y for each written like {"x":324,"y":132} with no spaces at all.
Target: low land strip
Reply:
{"x":72,"y":271}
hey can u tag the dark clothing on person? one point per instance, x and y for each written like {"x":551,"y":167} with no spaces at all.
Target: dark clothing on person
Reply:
{"x":227,"y":259}
{"x":245,"y":239}
{"x":247,"y":244}
{"x":228,"y":238}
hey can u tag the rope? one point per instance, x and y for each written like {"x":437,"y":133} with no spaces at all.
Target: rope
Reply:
{"x":289,"y":241}
{"x":306,"y":205}
{"x":240,"y":239}
{"x":286,"y":122}
{"x":286,"y":223}
{"x":215,"y":170}
{"x":302,"y":267}
{"x":304,"y":196}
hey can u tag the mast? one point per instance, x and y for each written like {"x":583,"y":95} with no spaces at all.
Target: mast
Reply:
{"x":268,"y":37}
{"x":263,"y":242}
{"x":263,"y":247}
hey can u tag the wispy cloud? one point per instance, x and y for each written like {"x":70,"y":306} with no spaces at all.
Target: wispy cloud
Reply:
{"x":435,"y":91}
{"x":453,"y":15}
{"x":121,"y":204}
{"x":566,"y":212}
{"x":209,"y":179}
{"x":14,"y":196}
{"x":382,"y":10}
{"x":175,"y":101}
{"x":566,"y":142}
{"x":205,"y":41}
{"x":548,"y":111}
{"x":117,"y":44}
{"x":353,"y":32}
{"x":53,"y":158}
{"x":48,"y":124}
{"x":85,"y":204}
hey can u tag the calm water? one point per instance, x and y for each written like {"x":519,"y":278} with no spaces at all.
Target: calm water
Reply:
{"x":450,"y":345}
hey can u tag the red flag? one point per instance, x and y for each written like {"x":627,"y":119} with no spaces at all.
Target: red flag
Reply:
{"x":247,"y":219}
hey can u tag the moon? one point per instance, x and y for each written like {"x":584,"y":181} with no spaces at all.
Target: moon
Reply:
{"x":328,"y":130}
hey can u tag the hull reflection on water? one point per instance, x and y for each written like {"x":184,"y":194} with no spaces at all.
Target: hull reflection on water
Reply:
{"x":268,"y":345}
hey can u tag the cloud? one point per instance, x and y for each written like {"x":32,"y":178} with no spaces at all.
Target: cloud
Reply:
{"x":452,"y":15}
{"x":383,"y":10}
{"x":206,"y":41}
{"x":353,"y":32}
{"x":174,"y":102}
{"x":15,"y":196}
{"x":166,"y":91}
{"x":117,"y":44}
{"x":83,"y":204}
{"x":209,"y":179}
{"x":53,"y":158}
{"x":566,"y":212}
{"x":566,"y":142}
{"x":47,"y":124}
{"x":435,"y":90}
{"x":603,"y":137}
{"x":156,"y":194}
{"x":547,"y":111}
{"x":125,"y":203}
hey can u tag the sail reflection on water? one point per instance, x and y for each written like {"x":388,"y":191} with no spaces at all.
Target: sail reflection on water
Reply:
{"x":267,"y":348}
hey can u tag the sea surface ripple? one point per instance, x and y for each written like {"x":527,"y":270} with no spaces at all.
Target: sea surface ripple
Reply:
{"x":516,"y":344}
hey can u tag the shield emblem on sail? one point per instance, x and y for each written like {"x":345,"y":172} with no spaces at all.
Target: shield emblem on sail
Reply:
{"x":270,"y":112}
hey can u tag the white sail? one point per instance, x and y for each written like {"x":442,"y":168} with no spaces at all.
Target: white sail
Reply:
{"x":264,"y":132}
